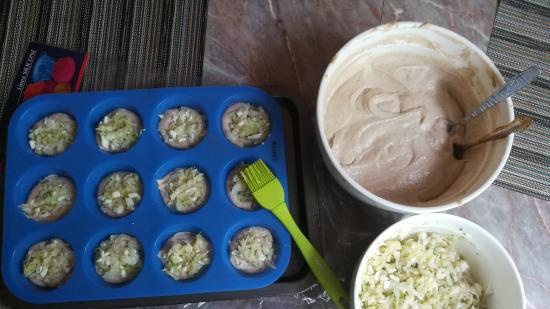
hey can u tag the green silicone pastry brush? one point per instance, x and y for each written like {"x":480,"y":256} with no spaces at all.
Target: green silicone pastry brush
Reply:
{"x":269,"y":193}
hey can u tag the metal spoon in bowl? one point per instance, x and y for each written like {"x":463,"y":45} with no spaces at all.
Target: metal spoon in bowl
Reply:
{"x":512,"y":86}
{"x":521,"y":123}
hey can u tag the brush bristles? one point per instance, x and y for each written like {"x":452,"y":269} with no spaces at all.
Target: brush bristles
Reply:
{"x":257,"y":175}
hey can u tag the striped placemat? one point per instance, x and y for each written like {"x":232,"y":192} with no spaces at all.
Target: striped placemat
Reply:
{"x":132,"y":44}
{"x":521,"y":38}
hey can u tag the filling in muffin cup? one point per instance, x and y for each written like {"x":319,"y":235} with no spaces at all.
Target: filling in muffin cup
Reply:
{"x":119,"y":193}
{"x":238,"y":191}
{"x":252,"y":250}
{"x":49,"y":263}
{"x":118,"y":259}
{"x":184,"y":189}
{"x":182,"y":127}
{"x":245,"y":125}
{"x":118,"y":131}
{"x":50,"y":199}
{"x":52,"y":135}
{"x":185,"y":255}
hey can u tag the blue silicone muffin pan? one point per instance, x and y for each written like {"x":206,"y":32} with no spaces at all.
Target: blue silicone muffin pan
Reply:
{"x":152,"y":223}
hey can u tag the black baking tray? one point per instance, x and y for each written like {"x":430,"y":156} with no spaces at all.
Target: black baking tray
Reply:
{"x":303,"y":208}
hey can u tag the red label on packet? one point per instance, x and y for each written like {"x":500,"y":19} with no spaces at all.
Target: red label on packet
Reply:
{"x":44,"y":69}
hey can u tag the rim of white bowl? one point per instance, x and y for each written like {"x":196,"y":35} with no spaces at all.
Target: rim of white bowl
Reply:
{"x":356,"y":186}
{"x":359,"y":269}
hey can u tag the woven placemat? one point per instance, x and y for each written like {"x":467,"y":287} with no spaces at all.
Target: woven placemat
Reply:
{"x":521,"y":38}
{"x":132,"y":44}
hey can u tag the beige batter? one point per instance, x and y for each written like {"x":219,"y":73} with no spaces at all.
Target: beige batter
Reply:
{"x":386,"y":124}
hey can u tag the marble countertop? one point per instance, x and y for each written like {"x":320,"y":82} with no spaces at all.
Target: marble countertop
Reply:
{"x":289,"y":43}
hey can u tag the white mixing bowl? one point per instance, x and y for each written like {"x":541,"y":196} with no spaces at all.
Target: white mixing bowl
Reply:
{"x":489,"y":262}
{"x":462,"y":53}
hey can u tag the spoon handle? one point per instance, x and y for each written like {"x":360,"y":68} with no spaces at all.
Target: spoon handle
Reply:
{"x":512,"y":86}
{"x":519,"y":124}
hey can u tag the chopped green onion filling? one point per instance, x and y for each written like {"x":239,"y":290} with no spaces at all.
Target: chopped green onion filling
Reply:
{"x":122,"y":193}
{"x":117,"y":255}
{"x":48,"y":262}
{"x":118,"y":131}
{"x":51,"y":198}
{"x":254,"y":250}
{"x":185,"y":126}
{"x":421,"y":271}
{"x":186,"y":260}
{"x":186,"y":189}
{"x":249,"y":122}
{"x":51,"y":136}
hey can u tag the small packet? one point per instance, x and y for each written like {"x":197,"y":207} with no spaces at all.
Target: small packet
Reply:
{"x":46,"y":69}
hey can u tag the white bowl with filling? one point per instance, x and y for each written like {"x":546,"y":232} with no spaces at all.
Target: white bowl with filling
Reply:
{"x":472,"y":267}
{"x":382,"y":111}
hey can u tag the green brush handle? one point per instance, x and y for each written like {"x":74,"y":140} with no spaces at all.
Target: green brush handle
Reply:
{"x":320,"y":269}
